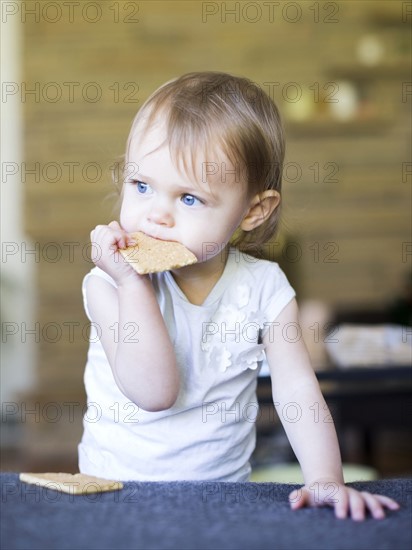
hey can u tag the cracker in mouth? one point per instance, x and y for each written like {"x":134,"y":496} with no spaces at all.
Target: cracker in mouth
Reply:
{"x":151,"y":255}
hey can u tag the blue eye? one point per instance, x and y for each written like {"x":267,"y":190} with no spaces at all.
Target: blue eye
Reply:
{"x":190,"y":200}
{"x":142,"y":187}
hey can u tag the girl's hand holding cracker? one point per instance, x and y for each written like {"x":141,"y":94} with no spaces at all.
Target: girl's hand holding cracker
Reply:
{"x":345,"y":500}
{"x":143,"y":361}
{"x":106,"y":242}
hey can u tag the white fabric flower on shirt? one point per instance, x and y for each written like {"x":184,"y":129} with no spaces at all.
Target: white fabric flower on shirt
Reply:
{"x":227,"y":329}
{"x":224,"y":326}
{"x":220,"y":356}
{"x":205,"y":345}
{"x":250,"y":357}
{"x":257,"y":317}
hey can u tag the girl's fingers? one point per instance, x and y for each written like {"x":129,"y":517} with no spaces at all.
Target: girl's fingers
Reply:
{"x":361,"y":502}
{"x":124,"y":239}
{"x":341,"y":504}
{"x":130,"y":240}
{"x":114,"y":225}
{"x":356,"y":505}
{"x":118,"y":234}
{"x":346,"y":502}
{"x":112,"y":235}
{"x":298,"y":498}
{"x":388,"y":502}
{"x":374,"y":505}
{"x":106,"y":241}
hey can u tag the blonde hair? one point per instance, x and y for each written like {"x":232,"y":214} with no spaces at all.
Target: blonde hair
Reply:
{"x":210,"y":111}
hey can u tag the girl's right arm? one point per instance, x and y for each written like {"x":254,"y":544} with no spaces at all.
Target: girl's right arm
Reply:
{"x":133,"y":333}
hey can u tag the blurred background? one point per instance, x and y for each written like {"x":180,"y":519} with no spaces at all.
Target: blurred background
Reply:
{"x":73,"y":77}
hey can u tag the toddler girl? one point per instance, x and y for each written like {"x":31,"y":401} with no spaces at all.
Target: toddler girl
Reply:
{"x":174,"y":357}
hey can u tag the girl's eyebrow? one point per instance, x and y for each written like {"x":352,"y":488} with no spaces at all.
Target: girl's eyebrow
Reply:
{"x":138,"y":175}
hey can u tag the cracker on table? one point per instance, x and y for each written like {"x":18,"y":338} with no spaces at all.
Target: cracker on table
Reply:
{"x":74,"y":484}
{"x":151,"y":255}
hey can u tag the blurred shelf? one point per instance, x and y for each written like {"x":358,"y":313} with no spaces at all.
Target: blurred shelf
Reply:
{"x":363,"y":72}
{"x":324,"y":128}
{"x":390,"y":18}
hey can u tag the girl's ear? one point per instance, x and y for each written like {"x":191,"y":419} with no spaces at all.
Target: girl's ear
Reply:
{"x":261,"y":208}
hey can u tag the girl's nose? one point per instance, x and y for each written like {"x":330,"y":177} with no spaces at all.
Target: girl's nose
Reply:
{"x":160,"y":215}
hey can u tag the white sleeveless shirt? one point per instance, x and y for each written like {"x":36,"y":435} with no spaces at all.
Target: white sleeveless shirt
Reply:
{"x":209,"y":433}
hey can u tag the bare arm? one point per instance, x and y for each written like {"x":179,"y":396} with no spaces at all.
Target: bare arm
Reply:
{"x":297,"y":398}
{"x":308,"y":425}
{"x":133,"y":333}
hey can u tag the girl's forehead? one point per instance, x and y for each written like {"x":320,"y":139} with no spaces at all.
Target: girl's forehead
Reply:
{"x":146,"y":139}
{"x":210,"y":166}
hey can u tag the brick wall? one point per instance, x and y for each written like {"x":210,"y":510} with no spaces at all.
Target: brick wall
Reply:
{"x":347,"y":208}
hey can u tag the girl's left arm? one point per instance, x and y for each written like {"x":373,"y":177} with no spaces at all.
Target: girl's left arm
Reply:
{"x":309,"y":426}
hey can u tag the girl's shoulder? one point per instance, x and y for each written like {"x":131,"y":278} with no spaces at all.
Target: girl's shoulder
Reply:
{"x":259,"y":270}
{"x":256,"y":283}
{"x":263,"y":288}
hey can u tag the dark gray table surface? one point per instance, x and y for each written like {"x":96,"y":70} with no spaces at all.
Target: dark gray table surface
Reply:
{"x":193,"y":515}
